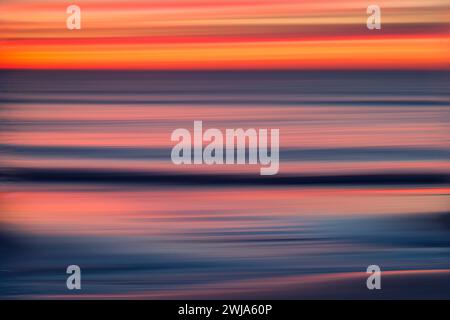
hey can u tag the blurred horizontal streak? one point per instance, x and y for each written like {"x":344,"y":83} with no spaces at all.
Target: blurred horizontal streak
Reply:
{"x":161,"y":178}
{"x":430,"y":53}
{"x":152,"y":154}
{"x":226,"y":101}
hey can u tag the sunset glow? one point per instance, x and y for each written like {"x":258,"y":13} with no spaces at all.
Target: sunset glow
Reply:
{"x":236,"y":34}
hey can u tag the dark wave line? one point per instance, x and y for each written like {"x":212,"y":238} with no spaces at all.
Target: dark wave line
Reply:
{"x":246,"y":102}
{"x":287,"y":154}
{"x":67,"y":176}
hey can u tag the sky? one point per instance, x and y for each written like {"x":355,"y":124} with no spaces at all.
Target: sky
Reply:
{"x":224,"y":34}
